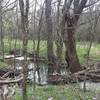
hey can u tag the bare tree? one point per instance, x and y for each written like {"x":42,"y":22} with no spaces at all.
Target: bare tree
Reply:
{"x":71,"y":14}
{"x":25,"y":31}
{"x":38,"y":42}
{"x":50,"y":52}
{"x":1,"y":30}
{"x":59,"y":41}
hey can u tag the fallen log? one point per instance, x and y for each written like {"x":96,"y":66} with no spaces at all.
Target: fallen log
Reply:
{"x":5,"y":75}
{"x":11,"y":73}
{"x":93,"y":75}
{"x":2,"y":82}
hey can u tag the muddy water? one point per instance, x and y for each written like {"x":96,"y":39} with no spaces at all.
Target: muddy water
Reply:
{"x":91,"y":86}
{"x":43,"y":73}
{"x":31,"y":66}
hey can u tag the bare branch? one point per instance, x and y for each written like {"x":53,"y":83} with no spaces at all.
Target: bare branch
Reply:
{"x":92,"y":3}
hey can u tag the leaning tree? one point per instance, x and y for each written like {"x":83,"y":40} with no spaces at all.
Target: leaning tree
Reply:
{"x":72,"y":10}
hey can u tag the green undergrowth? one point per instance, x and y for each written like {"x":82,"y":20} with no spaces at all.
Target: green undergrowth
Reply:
{"x":3,"y":65}
{"x":68,"y":92}
{"x":82,"y":48}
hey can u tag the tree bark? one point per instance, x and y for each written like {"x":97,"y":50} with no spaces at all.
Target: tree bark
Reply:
{"x":59,"y":41}
{"x":50,"y":53}
{"x":71,"y":53}
{"x":38,"y":45}
{"x":25,"y":31}
{"x":71,"y":20}
{"x":1,"y":31}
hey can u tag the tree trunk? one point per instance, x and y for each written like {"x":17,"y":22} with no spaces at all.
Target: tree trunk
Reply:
{"x":59,"y":41}
{"x":71,"y":20}
{"x":71,"y":53}
{"x":50,"y":53}
{"x":1,"y":31}
{"x":38,"y":45}
{"x":25,"y":64}
{"x":25,"y":32}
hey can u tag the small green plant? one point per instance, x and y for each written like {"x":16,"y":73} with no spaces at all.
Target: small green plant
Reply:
{"x":67,"y":92}
{"x":3,"y":65}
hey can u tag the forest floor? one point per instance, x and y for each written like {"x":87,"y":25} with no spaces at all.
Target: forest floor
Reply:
{"x":67,"y":92}
{"x":82,"y":48}
{"x":59,"y":92}
{"x":3,"y":65}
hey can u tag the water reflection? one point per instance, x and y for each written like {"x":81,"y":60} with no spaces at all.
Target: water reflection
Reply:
{"x":40,"y":69}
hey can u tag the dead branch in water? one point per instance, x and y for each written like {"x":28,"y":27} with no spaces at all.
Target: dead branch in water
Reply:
{"x":9,"y":81}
